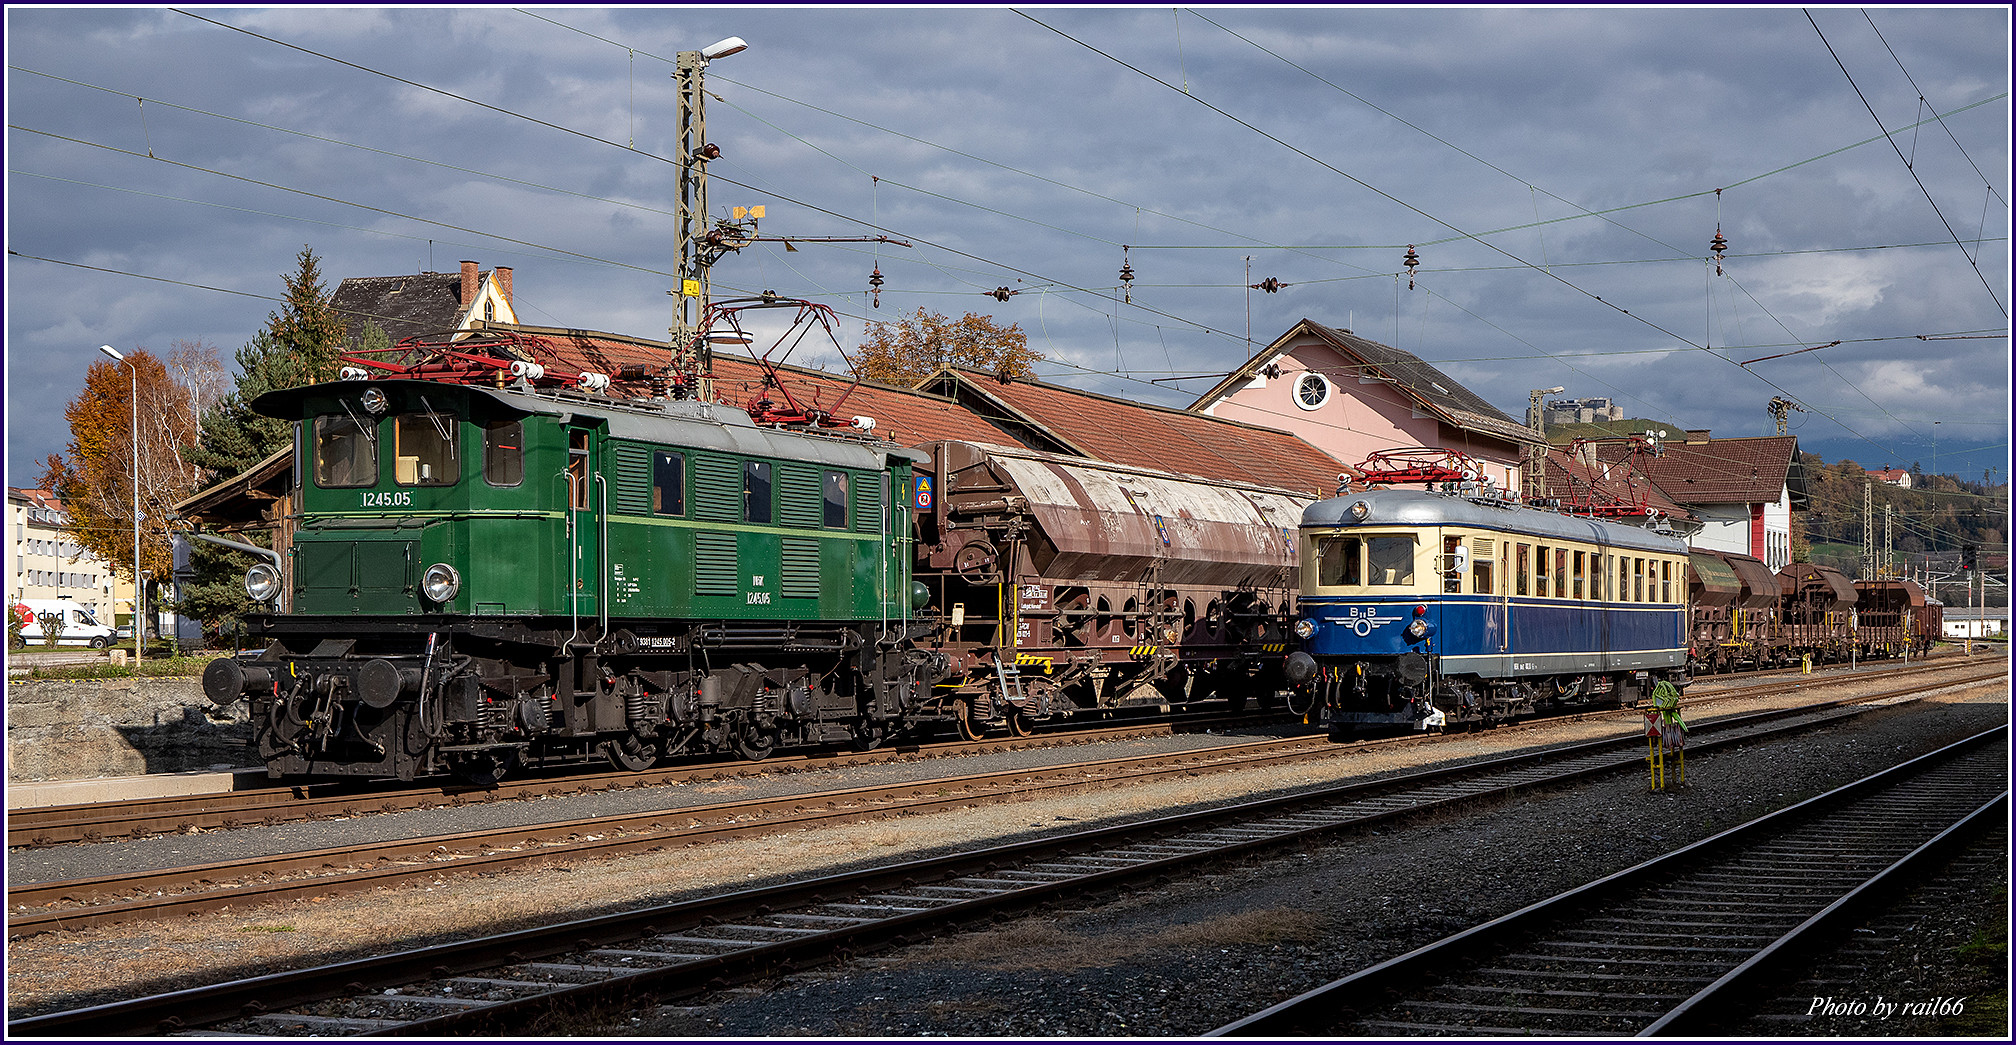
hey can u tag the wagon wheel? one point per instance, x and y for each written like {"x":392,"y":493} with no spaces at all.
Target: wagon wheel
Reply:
{"x":630,"y":754}
{"x":1020,"y":724}
{"x":962,"y":717}
{"x":976,"y":563}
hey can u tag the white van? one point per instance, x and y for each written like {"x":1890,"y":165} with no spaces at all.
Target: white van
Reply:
{"x":80,"y":628}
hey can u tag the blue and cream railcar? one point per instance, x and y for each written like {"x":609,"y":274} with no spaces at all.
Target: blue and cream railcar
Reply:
{"x":1421,"y":608}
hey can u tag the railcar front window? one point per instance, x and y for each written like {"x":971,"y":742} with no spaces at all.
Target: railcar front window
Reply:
{"x":1392,"y":560}
{"x":504,"y":453}
{"x":1339,"y":562}
{"x":346,"y":452}
{"x":423,"y":450}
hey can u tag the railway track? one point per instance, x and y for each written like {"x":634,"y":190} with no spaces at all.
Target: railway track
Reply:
{"x":166,"y":892}
{"x":503,"y":983}
{"x":133,"y":896}
{"x":93,"y":822}
{"x":1678,"y":945}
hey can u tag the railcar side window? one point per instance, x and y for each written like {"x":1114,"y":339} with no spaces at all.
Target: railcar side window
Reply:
{"x":1522,"y":568}
{"x":836,"y":500}
{"x":1392,"y":560}
{"x":756,"y":491}
{"x":1665,"y":582}
{"x":1581,"y":574}
{"x":504,"y":453}
{"x":423,"y":450}
{"x":1623,"y":590}
{"x":1637,"y":580}
{"x":1483,"y":572}
{"x":668,"y":483}
{"x":1541,"y":558}
{"x":346,"y":452}
{"x":1338,"y":561}
{"x":1452,"y":565}
{"x":1560,"y":573}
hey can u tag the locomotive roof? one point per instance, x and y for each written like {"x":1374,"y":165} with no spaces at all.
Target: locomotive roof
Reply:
{"x":686,"y":423}
{"x":1406,"y":508}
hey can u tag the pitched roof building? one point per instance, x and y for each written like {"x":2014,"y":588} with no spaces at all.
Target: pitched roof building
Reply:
{"x":1743,"y":490}
{"x":426,"y":302}
{"x":1351,"y":397}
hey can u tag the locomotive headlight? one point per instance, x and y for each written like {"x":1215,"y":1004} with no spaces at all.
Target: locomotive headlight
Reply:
{"x":1359,"y":510}
{"x":1305,"y":628}
{"x":262,"y":581}
{"x":440,"y":582}
{"x":374,"y":401}
{"x":1417,"y":629}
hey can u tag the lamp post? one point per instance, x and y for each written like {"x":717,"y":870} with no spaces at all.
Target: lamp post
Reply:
{"x":139,"y":625}
{"x":690,"y":222}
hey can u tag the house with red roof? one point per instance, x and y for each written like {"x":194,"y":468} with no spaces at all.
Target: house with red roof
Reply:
{"x":1351,"y":397}
{"x":1900,"y":477}
{"x":1743,"y":490}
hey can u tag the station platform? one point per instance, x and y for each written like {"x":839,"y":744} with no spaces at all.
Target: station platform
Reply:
{"x":43,"y":793}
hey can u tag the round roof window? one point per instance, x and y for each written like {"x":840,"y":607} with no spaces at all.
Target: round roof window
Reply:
{"x":1311,"y":390}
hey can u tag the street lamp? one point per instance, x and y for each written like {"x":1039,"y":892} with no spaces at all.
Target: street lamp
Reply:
{"x":689,"y":240}
{"x":139,"y":626}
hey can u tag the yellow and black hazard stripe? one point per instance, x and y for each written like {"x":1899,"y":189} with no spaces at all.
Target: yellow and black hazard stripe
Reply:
{"x":1273,"y":647}
{"x":1143,"y":651}
{"x":1024,"y":660}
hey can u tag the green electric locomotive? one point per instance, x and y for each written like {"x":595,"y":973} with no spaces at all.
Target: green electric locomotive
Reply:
{"x":490,"y":575}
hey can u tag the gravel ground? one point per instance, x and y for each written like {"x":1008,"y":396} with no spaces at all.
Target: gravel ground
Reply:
{"x":1178,"y":961}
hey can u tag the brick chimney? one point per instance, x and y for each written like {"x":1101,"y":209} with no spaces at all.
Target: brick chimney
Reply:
{"x":468,"y":283}
{"x":502,"y":277}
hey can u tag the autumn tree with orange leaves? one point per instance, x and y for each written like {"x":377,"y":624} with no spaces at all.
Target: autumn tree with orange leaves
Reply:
{"x":905,"y":352}
{"x":95,"y":479}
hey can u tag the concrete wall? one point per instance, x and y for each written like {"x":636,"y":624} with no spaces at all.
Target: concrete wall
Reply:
{"x":72,"y":730}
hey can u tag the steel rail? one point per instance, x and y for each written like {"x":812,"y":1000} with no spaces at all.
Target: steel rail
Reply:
{"x":877,"y":907}
{"x":1315,"y":1012}
{"x":168,"y":891}
{"x":102,"y":821}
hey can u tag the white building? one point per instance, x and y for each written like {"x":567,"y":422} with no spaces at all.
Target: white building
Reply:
{"x":44,"y":563}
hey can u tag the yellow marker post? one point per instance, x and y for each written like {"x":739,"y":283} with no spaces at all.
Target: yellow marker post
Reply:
{"x":1666,"y":734}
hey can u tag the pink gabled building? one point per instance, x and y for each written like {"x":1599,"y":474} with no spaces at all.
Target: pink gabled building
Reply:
{"x":1351,"y":397}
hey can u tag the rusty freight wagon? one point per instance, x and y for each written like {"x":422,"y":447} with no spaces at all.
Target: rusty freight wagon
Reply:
{"x":1815,"y":612}
{"x":1072,"y":588}
{"x":1887,"y":615}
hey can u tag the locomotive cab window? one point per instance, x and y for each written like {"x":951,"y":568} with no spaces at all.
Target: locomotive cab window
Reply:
{"x":1454,"y":558}
{"x":577,"y":470}
{"x":668,"y":483}
{"x":1391,"y":560}
{"x":346,"y":451}
{"x":504,"y":453}
{"x":1340,"y":561}
{"x":423,"y":450}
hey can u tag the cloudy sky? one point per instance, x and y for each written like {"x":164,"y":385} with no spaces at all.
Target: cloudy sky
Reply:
{"x":1560,"y":173}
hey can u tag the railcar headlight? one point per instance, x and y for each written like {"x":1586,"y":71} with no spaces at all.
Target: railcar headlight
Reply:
{"x":374,"y":401}
{"x":262,"y":581}
{"x":1305,"y":628}
{"x":1417,"y":629}
{"x":1359,"y":510}
{"x":440,"y":582}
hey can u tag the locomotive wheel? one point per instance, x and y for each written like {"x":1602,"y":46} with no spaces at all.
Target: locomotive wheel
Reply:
{"x":630,"y":754}
{"x":755,"y":747}
{"x":962,"y":716}
{"x":868,"y":738}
